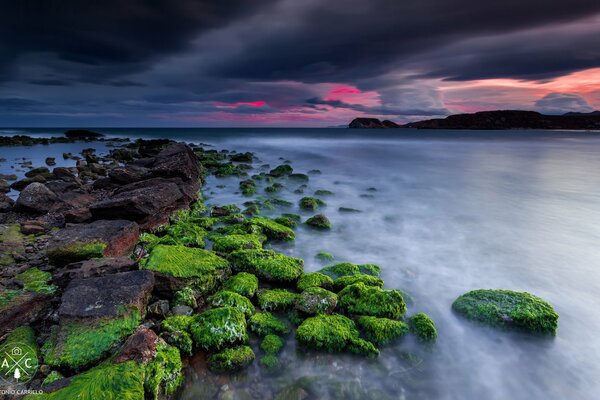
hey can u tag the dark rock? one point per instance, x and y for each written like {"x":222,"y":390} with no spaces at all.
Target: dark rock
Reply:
{"x":139,"y":347}
{"x":8,"y":177}
{"x":122,"y":154}
{"x":177,"y":160}
{"x":36,"y":198}
{"x":93,"y":268}
{"x":159,"y":309}
{"x":4,"y":186}
{"x":82,"y":134}
{"x":129,"y":174}
{"x":50,"y":161}
{"x":32,"y":228}
{"x":65,"y":174}
{"x":23,"y":309}
{"x":77,"y":215}
{"x":6,"y":203}
{"x":23,"y":183}
{"x":37,"y":171}
{"x":182,"y":310}
{"x":368,"y":123}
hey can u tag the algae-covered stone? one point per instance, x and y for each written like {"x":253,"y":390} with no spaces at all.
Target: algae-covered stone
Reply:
{"x":314,"y":279}
{"x":222,"y":211}
{"x":323,"y":192}
{"x":163,"y":373}
{"x":265,"y":323}
{"x":232,"y":299}
{"x":230,"y":360}
{"x":276,"y":299}
{"x":310,"y":203}
{"x":281,"y":170}
{"x":270,"y":362}
{"x":185,"y":297}
{"x":316,"y":300}
{"x":272,"y":229}
{"x":319,"y":221}
{"x":324,"y":256}
{"x":176,"y":267}
{"x":220,"y":327}
{"x":242,"y":283}
{"x":422,"y":326}
{"x":248,"y":187}
{"x":52,"y":377}
{"x":268,"y":265}
{"x":227,"y":244}
{"x":369,"y":280}
{"x":272,"y":344}
{"x":333,"y":334}
{"x":381,"y":331}
{"x":290,"y":223}
{"x":34,"y":280}
{"x":508,"y":309}
{"x":187,"y":233}
{"x":176,"y":332}
{"x":360,"y":299}
{"x":22,"y":338}
{"x":348,"y":269}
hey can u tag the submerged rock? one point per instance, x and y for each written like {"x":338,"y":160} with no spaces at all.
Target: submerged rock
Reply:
{"x":230,"y":360}
{"x":265,"y":323}
{"x":319,"y":221}
{"x":268,"y":265}
{"x":381,"y":331}
{"x":422,"y":326}
{"x":508,"y":309}
{"x":347,"y":269}
{"x":359,"y":299}
{"x":310,"y":203}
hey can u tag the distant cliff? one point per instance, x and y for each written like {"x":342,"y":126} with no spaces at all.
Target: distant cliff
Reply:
{"x":509,"y":119}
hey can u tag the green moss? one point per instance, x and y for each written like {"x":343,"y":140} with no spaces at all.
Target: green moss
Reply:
{"x":322,"y":192}
{"x":348,"y":269}
{"x":201,"y":269}
{"x":227,"y":244}
{"x":296,"y":317}
{"x":163,"y":373}
{"x":187,"y":233}
{"x":290,"y":223}
{"x":281,"y":170}
{"x":272,"y":229}
{"x":319,"y":221}
{"x":76,"y":344}
{"x":341,"y":282}
{"x":348,"y":210}
{"x":299,"y":177}
{"x":222,"y":170}
{"x":272,"y":344}
{"x":422,"y":326}
{"x":52,"y":377}
{"x":324,"y":256}
{"x":21,"y":336}
{"x":281,"y":203}
{"x":333,"y":334}
{"x":274,"y":188}
{"x":310,"y":203}
{"x":176,"y":332}
{"x":233,"y":219}
{"x":230,"y":360}
{"x":381,"y":331}
{"x":360,"y":299}
{"x":293,"y":217}
{"x":314,"y":279}
{"x":316,"y":300}
{"x":34,"y":280}
{"x":242,"y":283}
{"x":185,"y":297}
{"x":124,"y":381}
{"x":232,"y":299}
{"x":276,"y":299}
{"x":220,"y":327}
{"x":268,"y":265}
{"x":508,"y":309}
{"x":269,"y":361}
{"x":73,"y":252}
{"x":248,"y":187}
{"x":7,"y":295}
{"x":222,"y":211}
{"x":241,"y":157}
{"x":265,"y":323}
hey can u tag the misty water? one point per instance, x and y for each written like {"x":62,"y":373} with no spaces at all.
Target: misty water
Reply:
{"x":451,"y":212}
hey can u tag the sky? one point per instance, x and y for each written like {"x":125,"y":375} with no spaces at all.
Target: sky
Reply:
{"x":291,"y":63}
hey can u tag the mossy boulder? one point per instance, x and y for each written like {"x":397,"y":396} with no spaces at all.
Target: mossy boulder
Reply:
{"x":176,"y":267}
{"x":324,"y":256}
{"x":333,"y":334}
{"x":52,"y":377}
{"x":290,"y":223}
{"x":218,"y":328}
{"x":348,"y":269}
{"x":369,"y":280}
{"x":269,"y":362}
{"x":319,"y":221}
{"x":381,"y":331}
{"x":316,"y":300}
{"x":248,"y":187}
{"x":314,"y":279}
{"x":276,"y":299}
{"x":34,"y":280}
{"x":268,"y":265}
{"x":265,"y":323}
{"x":422,"y":327}
{"x":310,"y":203}
{"x":508,"y":309}
{"x":232,"y":299}
{"x":281,"y":170}
{"x":242,"y":283}
{"x":272,"y":344}
{"x":223,"y":211}
{"x":231,"y":360}
{"x":176,"y":331}
{"x":185,"y":297}
{"x":272,"y":229}
{"x":187,"y":233}
{"x":24,"y":338}
{"x":360,"y":299}
{"x":162,"y":375}
{"x":227,"y":244}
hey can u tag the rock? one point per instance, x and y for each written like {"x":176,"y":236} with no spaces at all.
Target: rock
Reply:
{"x":129,"y":174}
{"x":6,"y":203}
{"x":31,"y":228}
{"x":272,"y":344}
{"x":508,"y":309}
{"x":4,"y":186}
{"x":218,"y":211}
{"x":159,"y":309}
{"x":23,"y":183}
{"x":369,"y":280}
{"x":314,"y":279}
{"x":8,"y":177}
{"x":231,"y":299}
{"x":181,"y":310}
{"x":177,"y":160}
{"x":77,"y":215}
{"x":218,"y":328}
{"x":372,"y":123}
{"x":37,"y":171}
{"x":281,"y":170}
{"x":265,"y":323}
{"x":93,"y":268}
{"x":50,"y":161}
{"x":381,"y":331}
{"x":268,"y":265}
{"x":319,"y":221}
{"x":423,"y":327}
{"x":230,"y":360}
{"x":348,"y":269}
{"x":175,"y":330}
{"x":66,"y":175}
{"x":227,"y":244}
{"x":82,"y":134}
{"x":272,"y":229}
{"x":139,"y":347}
{"x":359,"y":299}
{"x":18,"y":308}
{"x":276,"y":299}
{"x":311,"y":203}
{"x":316,"y":300}
{"x":36,"y":198}
{"x":101,"y":238}
{"x":242,"y":283}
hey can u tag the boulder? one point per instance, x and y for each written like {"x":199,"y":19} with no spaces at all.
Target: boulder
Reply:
{"x":93,"y":268}
{"x":139,"y":347}
{"x":82,"y":134}
{"x":129,"y":174}
{"x":36,"y":198}
{"x":101,"y":238}
{"x":6,"y":203}
{"x":21,"y":308}
{"x":177,"y":160}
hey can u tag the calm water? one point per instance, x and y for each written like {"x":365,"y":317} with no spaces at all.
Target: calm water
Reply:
{"x":453,"y":211}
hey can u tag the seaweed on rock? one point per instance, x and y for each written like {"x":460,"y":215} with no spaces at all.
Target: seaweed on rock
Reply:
{"x":359,"y":299}
{"x":218,"y":328}
{"x":268,"y":265}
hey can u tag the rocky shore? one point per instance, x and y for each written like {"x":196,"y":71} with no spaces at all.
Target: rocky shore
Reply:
{"x":115,"y":273}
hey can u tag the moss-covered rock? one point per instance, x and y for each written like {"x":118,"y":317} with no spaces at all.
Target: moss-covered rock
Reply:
{"x":34,"y":280}
{"x":185,"y":297}
{"x":187,"y":233}
{"x":232,"y":299}
{"x":508,"y":309}
{"x":265,"y":323}
{"x":276,"y":299}
{"x":310,"y":203}
{"x":381,"y":331}
{"x":74,"y":252}
{"x":323,"y":192}
{"x":274,"y":188}
{"x":319,"y":221}
{"x":359,"y":299}
{"x":324,"y":256}
{"x":290,"y":223}
{"x":316,"y":300}
{"x":333,"y":334}
{"x":242,"y":283}
{"x":176,"y":332}
{"x":200,"y":269}
{"x":293,"y":217}
{"x":269,"y":362}
{"x":52,"y":377}
{"x":223,"y":211}
{"x":227,"y":244}
{"x":230,"y":360}
{"x":281,"y":170}
{"x":268,"y":265}
{"x":314,"y":279}
{"x":272,"y":344}
{"x":272,"y":229}
{"x":422,"y":327}
{"x":299,"y":177}
{"x":348,"y":210}
{"x":24,"y":338}
{"x":369,"y":280}
{"x":163,"y":374}
{"x":220,"y":327}
{"x":248,"y":187}
{"x":241,"y":157}
{"x":348,"y":269}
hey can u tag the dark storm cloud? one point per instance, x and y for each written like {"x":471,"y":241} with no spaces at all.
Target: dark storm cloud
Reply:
{"x":315,"y":102}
